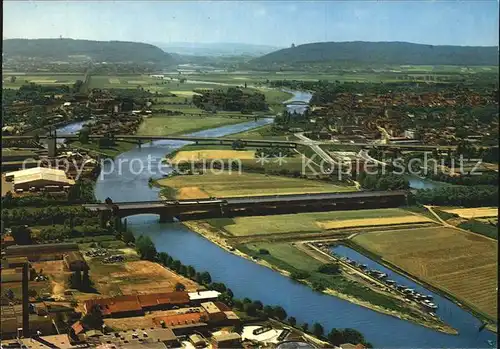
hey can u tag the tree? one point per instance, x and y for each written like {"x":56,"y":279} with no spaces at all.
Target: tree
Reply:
{"x":86,"y":282}
{"x":351,"y":335}
{"x":146,"y":248}
{"x":176,"y":265}
{"x":268,"y":310}
{"x":206,"y":278}
{"x":299,"y":275}
{"x":83,"y":135}
{"x":335,"y":337}
{"x":250,"y":309}
{"x":13,"y":79}
{"x":317,"y":330}
{"x":93,"y":319}
{"x":292,"y":321}
{"x":238,"y":304}
{"x":279,"y":312}
{"x":329,"y":268}
{"x":258,"y":305}
{"x":127,"y":236}
{"x":191,"y":272}
{"x":21,"y":234}
{"x":75,"y":280}
{"x":305,"y":326}
{"x":179,"y":287}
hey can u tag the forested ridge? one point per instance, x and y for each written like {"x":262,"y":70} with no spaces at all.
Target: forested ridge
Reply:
{"x":99,"y":51}
{"x":383,"y":53}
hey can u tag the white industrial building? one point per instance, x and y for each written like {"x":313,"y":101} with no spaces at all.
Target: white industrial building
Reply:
{"x":38,"y":178}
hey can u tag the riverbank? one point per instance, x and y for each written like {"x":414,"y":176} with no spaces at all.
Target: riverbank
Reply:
{"x":214,"y":236}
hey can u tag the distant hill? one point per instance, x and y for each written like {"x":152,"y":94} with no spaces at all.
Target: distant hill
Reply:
{"x":216,"y":49}
{"x":382,"y":53}
{"x":98,"y":51}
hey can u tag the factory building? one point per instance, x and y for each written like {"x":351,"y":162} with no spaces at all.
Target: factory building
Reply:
{"x":39,"y":178}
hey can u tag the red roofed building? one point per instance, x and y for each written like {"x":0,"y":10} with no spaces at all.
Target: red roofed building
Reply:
{"x":135,"y":305}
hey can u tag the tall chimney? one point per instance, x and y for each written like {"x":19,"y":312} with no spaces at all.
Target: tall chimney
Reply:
{"x":26,"y":310}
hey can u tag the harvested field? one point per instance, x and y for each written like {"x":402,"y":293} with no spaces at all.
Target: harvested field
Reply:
{"x":192,"y":193}
{"x":185,"y":93}
{"x":114,"y":81}
{"x":462,"y":264}
{"x":136,"y":82}
{"x":475,"y":212}
{"x":213,"y":154}
{"x":300,"y":222}
{"x":231,"y":184}
{"x":366,"y":222}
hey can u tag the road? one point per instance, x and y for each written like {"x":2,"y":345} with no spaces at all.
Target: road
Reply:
{"x":317,"y":149}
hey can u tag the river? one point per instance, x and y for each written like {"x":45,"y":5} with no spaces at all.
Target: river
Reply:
{"x":248,"y":279}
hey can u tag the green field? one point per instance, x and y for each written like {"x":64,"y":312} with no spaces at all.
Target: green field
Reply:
{"x":165,"y":125}
{"x":263,"y":132}
{"x":294,"y":223}
{"x":40,"y":79}
{"x":235,"y":184}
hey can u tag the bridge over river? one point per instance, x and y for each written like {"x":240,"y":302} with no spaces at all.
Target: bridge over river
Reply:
{"x":169,"y":210}
{"x":139,"y":139}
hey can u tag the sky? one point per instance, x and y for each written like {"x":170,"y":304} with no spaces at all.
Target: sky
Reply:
{"x":275,"y":23}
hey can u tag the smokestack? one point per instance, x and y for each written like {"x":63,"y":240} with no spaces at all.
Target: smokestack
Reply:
{"x":26,"y":311}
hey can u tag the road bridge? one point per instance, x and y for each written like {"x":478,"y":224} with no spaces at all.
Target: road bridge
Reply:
{"x":295,"y":103}
{"x":198,"y":140}
{"x":168,"y":210}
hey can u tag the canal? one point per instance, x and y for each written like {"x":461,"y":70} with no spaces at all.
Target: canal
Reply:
{"x":248,"y":279}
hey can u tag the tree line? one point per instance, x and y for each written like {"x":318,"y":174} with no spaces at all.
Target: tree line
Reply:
{"x":232,"y":99}
{"x":467,"y":196}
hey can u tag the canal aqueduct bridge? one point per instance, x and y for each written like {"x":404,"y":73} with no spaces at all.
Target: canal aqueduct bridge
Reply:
{"x":183,"y":210}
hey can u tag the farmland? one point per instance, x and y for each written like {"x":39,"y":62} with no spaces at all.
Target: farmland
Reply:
{"x":462,"y":264}
{"x":477,"y":212}
{"x":231,"y":184}
{"x":211,"y":154}
{"x":302,"y":222}
{"x":41,"y":79}
{"x":366,"y":222}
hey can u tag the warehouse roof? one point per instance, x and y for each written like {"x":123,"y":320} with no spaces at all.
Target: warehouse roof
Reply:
{"x":203,"y":295}
{"x":40,"y":173}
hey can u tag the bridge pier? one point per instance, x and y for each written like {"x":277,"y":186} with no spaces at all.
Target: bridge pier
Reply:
{"x":166,"y":218}
{"x":139,"y":143}
{"x":104,"y":217}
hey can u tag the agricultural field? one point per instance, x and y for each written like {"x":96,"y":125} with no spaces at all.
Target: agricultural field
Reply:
{"x":231,"y":184}
{"x":367,"y":222}
{"x":164,"y":125}
{"x":310,"y":222}
{"x":213,"y":154}
{"x":45,"y":79}
{"x":462,"y":264}
{"x":471,"y":213}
